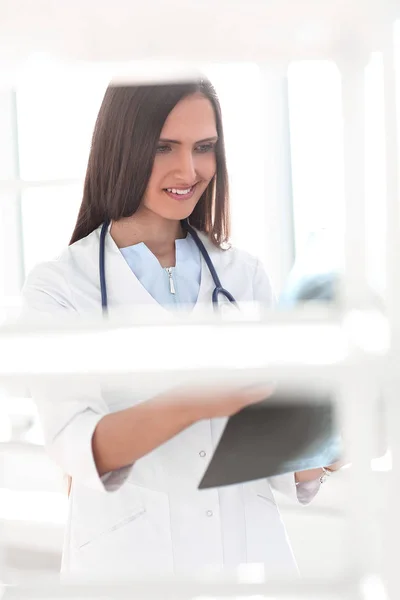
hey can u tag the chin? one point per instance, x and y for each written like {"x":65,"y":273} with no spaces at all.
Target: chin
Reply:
{"x":180,"y":215}
{"x":177,"y":213}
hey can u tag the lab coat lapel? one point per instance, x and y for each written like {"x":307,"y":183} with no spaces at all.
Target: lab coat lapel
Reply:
{"x":207,"y":285}
{"x":124,"y":290}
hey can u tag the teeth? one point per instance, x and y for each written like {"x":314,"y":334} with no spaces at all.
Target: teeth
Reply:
{"x":179,"y":192}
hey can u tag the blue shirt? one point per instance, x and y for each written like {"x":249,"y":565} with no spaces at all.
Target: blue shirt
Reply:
{"x":171,"y":287}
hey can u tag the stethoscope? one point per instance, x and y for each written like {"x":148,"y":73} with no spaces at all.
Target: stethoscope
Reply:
{"x":218,"y":290}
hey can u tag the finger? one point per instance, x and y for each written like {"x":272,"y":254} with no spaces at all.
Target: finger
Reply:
{"x":260,"y":390}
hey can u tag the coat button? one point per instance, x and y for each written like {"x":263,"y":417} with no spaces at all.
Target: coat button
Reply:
{"x":209,"y":513}
{"x":202,"y":453}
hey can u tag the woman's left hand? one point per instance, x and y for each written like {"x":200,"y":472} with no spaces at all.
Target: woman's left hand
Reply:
{"x":312,"y":474}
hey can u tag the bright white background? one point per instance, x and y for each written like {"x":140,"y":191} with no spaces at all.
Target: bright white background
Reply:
{"x":284,"y":146}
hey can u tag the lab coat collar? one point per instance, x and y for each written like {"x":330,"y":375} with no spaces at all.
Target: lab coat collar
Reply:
{"x":125,"y":290}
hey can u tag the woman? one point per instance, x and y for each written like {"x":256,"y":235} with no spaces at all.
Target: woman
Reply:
{"x":137,"y":455}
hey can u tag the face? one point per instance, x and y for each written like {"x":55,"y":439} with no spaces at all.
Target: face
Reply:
{"x":185,"y":159}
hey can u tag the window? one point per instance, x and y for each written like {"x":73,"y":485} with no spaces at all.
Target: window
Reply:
{"x":316,"y":148}
{"x":48,"y":218}
{"x":316,"y":128}
{"x":56,"y":116}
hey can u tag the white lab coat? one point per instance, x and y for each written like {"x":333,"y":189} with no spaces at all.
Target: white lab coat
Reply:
{"x":149,"y":517}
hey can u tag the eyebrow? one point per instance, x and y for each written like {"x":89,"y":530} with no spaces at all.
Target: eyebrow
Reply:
{"x":210,"y":139}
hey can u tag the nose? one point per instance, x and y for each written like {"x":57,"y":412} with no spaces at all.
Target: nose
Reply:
{"x":185,"y":168}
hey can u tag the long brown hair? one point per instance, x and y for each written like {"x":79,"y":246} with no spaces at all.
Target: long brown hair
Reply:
{"x":122,"y":153}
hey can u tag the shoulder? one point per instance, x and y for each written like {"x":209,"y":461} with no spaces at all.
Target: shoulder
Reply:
{"x":243,"y":269}
{"x":51,"y":282}
{"x":48,"y":277}
{"x":230,"y":256}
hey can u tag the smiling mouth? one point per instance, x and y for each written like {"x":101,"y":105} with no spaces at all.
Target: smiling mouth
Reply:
{"x":181,"y":193}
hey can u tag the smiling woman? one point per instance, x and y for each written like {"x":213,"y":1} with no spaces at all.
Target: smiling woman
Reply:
{"x":170,"y":147}
{"x":152,"y":223}
{"x":184,"y":163}
{"x":207,"y":146}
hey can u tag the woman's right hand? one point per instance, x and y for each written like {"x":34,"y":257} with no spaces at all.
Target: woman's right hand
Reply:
{"x":224,"y":402}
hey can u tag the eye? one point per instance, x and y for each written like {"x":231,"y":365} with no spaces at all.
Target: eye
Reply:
{"x":163,"y":149}
{"x":204,"y":148}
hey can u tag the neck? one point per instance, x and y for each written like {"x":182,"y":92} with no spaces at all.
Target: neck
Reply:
{"x":157,"y":233}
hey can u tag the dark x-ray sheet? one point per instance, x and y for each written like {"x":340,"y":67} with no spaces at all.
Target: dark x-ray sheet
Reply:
{"x":279,"y":435}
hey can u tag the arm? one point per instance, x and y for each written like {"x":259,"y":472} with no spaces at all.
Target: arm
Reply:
{"x":95,"y":447}
{"x":120,"y":438}
{"x":123,"y":437}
